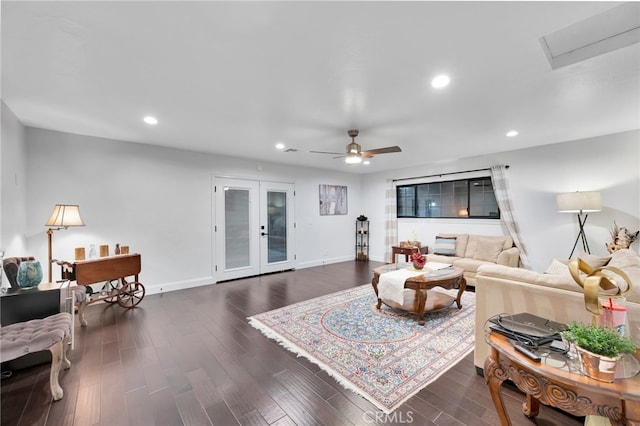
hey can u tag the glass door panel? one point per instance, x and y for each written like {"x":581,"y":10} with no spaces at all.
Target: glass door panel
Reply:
{"x":277,"y":220}
{"x":276,"y":251}
{"x":236,"y":228}
{"x":237,"y":240}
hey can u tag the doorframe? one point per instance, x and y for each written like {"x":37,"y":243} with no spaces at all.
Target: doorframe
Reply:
{"x":216,"y":260}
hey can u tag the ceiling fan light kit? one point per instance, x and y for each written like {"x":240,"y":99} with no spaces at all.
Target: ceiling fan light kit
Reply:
{"x":354,"y":153}
{"x":352,"y":159}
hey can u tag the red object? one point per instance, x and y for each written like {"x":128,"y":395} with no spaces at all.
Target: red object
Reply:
{"x":418,"y":260}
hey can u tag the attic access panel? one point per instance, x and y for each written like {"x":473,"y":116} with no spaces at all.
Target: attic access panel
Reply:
{"x":605,"y":32}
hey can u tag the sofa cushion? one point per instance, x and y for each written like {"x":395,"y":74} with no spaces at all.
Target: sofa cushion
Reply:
{"x":472,"y":245}
{"x":461,"y":242}
{"x":445,"y":246}
{"x":488,"y":250}
{"x":563,"y":281}
{"x":470,"y":265}
{"x":441,"y":259}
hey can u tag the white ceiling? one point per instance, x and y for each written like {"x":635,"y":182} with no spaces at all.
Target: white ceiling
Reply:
{"x":237,"y":77}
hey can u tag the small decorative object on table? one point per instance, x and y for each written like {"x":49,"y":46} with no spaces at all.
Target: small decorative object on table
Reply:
{"x":29,"y":274}
{"x":621,"y":238}
{"x":599,"y":348}
{"x":79,"y":253}
{"x":410,"y":244}
{"x":418,"y":260}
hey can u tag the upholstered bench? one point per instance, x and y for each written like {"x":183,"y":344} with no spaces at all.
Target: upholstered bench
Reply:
{"x":52,"y":333}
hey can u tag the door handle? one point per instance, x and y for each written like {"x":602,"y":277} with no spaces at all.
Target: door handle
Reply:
{"x":264,"y":233}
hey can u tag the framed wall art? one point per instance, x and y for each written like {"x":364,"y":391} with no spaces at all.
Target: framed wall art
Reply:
{"x":333,"y":200}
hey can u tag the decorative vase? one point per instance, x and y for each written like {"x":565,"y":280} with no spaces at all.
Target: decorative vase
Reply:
{"x":598,"y":367}
{"x":418,"y":260}
{"x":29,"y":274}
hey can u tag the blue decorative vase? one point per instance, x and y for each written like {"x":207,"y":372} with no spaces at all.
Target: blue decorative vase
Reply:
{"x":29,"y":274}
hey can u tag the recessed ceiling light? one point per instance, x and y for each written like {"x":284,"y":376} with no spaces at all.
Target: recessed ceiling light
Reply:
{"x":440,"y":81}
{"x":280,"y":145}
{"x":150,"y":120}
{"x":512,"y":133}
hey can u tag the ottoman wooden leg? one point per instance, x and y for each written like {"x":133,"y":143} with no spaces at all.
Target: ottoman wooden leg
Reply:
{"x":56,"y":362}
{"x":81,"y":306}
{"x":66,"y":364}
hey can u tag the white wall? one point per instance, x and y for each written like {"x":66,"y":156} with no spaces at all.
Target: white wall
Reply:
{"x":609,"y":164}
{"x":13,"y":196}
{"x":159,"y":201}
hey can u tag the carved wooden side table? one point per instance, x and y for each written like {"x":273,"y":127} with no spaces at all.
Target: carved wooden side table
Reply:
{"x":552,"y":382}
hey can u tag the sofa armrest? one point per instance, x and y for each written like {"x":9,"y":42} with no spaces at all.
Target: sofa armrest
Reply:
{"x":509,"y":257}
{"x":501,"y":289}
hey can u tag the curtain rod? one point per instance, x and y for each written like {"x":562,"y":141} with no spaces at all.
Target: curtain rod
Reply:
{"x":445,"y":174}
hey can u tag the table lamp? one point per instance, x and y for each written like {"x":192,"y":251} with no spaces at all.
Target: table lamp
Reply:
{"x":63,"y":216}
{"x":579,"y":203}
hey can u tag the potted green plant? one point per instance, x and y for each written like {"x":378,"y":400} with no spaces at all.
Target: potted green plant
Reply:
{"x":599,"y":348}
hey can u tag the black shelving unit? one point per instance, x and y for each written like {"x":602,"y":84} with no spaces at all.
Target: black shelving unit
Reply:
{"x":362,"y":240}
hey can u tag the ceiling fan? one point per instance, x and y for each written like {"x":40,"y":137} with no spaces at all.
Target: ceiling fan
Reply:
{"x":354,"y":153}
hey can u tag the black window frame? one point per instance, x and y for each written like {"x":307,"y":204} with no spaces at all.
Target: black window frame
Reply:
{"x":415,"y":193}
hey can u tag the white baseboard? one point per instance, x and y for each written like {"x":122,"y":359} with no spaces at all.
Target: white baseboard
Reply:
{"x":178,"y":285}
{"x":198,"y":282}
{"x":326,"y":261}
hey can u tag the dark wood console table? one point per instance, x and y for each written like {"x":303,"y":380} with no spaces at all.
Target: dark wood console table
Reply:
{"x":552,"y":383}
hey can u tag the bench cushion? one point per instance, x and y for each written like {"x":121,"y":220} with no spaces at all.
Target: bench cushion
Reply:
{"x":22,"y":338}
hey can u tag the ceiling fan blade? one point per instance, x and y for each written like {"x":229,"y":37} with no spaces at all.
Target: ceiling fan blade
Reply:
{"x":387,"y":150}
{"x":325,"y":152}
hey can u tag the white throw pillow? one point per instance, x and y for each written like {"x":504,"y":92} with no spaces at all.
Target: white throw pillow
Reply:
{"x":557,"y":268}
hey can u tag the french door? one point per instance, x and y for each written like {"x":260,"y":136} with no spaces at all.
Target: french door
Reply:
{"x":254,"y":227}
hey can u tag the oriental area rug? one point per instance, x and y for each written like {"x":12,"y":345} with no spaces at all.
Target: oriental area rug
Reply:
{"x":383,"y":355}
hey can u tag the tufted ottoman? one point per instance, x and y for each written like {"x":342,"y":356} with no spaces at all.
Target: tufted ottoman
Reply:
{"x":52,"y":333}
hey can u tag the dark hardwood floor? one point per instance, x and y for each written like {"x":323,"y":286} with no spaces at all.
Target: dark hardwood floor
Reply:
{"x":190,"y":358}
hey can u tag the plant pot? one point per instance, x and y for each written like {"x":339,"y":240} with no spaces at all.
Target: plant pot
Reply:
{"x":596,"y":366}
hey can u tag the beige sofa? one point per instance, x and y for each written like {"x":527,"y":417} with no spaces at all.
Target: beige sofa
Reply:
{"x":501,"y":289}
{"x":473,"y":251}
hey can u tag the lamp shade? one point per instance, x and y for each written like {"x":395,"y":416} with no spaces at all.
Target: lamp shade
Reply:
{"x":575,"y":202}
{"x":65,"y":215}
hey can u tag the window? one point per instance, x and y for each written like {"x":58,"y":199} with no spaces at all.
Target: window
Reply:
{"x":466,"y":198}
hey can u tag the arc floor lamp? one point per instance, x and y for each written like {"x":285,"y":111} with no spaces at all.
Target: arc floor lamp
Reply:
{"x":581,"y":203}
{"x":63,"y":216}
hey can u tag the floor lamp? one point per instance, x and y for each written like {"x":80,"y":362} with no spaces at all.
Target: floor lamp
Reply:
{"x":63,"y":216}
{"x":579,"y":203}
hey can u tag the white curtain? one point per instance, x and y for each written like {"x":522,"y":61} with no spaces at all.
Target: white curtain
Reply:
{"x":501,"y":190}
{"x":390,"y":221}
